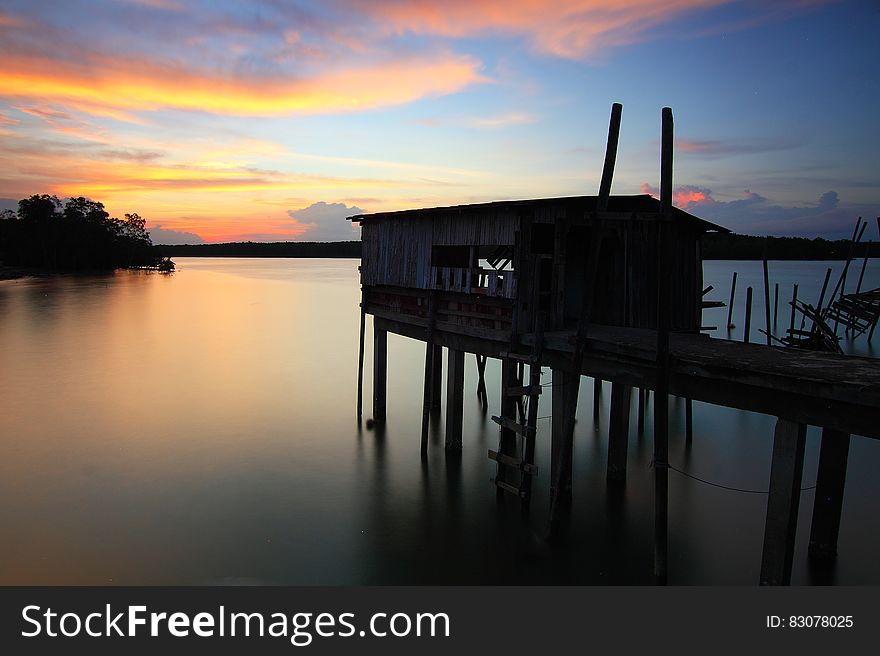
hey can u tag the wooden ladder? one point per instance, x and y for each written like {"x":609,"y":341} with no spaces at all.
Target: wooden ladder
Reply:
{"x":515,"y":460}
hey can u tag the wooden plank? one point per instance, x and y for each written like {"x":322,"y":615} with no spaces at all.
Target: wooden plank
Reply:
{"x":523,"y":390}
{"x":560,"y":448}
{"x":610,"y":157}
{"x":527,"y":467}
{"x":780,"y":527}
{"x":507,"y":487}
{"x":514,"y":426}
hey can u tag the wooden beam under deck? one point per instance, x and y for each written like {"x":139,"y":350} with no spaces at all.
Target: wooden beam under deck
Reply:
{"x":820,"y":389}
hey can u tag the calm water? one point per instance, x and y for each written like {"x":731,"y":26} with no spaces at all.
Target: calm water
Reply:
{"x":200,"y":428}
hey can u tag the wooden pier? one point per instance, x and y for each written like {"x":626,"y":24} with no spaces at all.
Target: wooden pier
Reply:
{"x":608,"y":287}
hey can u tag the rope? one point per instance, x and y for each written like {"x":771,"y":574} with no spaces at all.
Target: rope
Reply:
{"x":728,"y":487}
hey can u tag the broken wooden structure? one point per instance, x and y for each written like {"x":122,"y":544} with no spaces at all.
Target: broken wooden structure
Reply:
{"x":609,"y":287}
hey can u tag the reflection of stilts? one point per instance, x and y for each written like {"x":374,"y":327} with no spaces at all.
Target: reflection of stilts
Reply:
{"x":481,"y":382}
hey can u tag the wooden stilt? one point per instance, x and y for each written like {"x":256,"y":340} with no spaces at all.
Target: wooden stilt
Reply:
{"x":360,"y":399}
{"x":786,"y":470}
{"x":429,"y":372}
{"x":661,"y":400}
{"x":454,"y":398}
{"x":597,"y":396}
{"x":688,"y":420}
{"x":437,"y":377}
{"x":775,"y":304}
{"x":560,"y":448}
{"x":828,"y":504}
{"x":794,"y":292}
{"x":380,"y":372}
{"x":642,"y":401}
{"x":618,"y":431}
{"x":748,"y":327}
{"x":730,"y":304}
{"x":767,"y":303}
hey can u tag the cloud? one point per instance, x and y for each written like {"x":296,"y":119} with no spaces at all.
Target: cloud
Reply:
{"x":481,"y":122}
{"x":126,"y":84}
{"x":8,"y":204}
{"x":565,"y":28}
{"x":756,"y":214}
{"x":325,"y":222}
{"x":721,"y":148}
{"x":160,"y":235}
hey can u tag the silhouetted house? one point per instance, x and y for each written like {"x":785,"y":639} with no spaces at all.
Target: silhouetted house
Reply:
{"x":491,"y":265}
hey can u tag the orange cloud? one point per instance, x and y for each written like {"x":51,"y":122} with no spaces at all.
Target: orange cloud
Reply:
{"x":129,"y":84}
{"x":566,"y":28}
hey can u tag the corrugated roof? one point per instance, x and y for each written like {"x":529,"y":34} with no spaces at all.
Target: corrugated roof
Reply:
{"x":636,"y":203}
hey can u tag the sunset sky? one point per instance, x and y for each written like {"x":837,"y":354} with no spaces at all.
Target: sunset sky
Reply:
{"x":274,"y":119}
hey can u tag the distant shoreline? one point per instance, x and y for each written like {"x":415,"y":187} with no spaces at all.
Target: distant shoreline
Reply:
{"x":715,"y":246}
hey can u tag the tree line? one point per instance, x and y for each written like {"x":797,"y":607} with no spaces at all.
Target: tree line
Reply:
{"x":77,"y":235}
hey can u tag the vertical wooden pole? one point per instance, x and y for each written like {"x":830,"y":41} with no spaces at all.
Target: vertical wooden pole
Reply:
{"x":437,"y":377}
{"x":642,"y":401}
{"x":560,"y":448}
{"x":688,"y":419}
{"x":766,"y":301}
{"x":618,"y":431}
{"x":454,"y":399}
{"x":828,"y":504}
{"x":597,"y":396}
{"x":360,"y":400}
{"x":429,"y":372}
{"x":610,"y":156}
{"x":661,"y":399}
{"x":794,"y":291}
{"x":730,"y":304}
{"x":786,"y":470}
{"x":775,"y":304}
{"x":380,"y":372}
{"x":748,"y":325}
{"x":507,"y":439}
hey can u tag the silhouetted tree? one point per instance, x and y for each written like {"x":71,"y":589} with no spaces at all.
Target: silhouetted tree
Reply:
{"x":78,"y":235}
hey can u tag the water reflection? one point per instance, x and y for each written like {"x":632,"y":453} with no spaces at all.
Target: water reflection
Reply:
{"x":199,"y":428}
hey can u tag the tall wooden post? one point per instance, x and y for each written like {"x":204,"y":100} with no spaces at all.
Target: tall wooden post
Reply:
{"x":827,"y":507}
{"x":794,"y":292}
{"x":597,"y":397}
{"x":688,"y":420}
{"x":507,"y":439}
{"x":775,"y":304}
{"x":437,"y":377}
{"x":560,"y":448}
{"x":730,"y":305}
{"x":767,"y":302}
{"x":618,"y":431}
{"x":454,"y":398}
{"x":748,"y":327}
{"x":610,"y":156}
{"x":786,"y":470}
{"x":643,"y":402}
{"x":360,"y":399}
{"x":661,"y":400}
{"x":429,"y":372}
{"x":380,"y":372}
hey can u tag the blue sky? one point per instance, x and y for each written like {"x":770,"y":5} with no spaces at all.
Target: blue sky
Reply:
{"x":272,"y":120}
